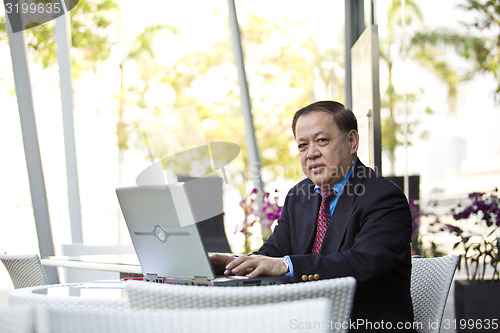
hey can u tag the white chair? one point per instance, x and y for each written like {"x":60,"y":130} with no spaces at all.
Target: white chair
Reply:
{"x":147,"y":295}
{"x":16,"y":321}
{"x":24,"y":270}
{"x":268,"y":318}
{"x":431,"y":279}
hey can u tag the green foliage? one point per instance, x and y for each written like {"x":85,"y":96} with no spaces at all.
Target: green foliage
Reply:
{"x":469,"y":47}
{"x":420,"y":50}
{"x":277,"y":64}
{"x":2,"y":29}
{"x":143,"y":45}
{"x":480,"y":46}
{"x":413,"y":14}
{"x":390,"y":130}
{"x":430,"y":58}
{"x":486,"y":22}
{"x":280,"y":61}
{"x":141,"y":52}
{"x":177,"y":76}
{"x":90,"y":21}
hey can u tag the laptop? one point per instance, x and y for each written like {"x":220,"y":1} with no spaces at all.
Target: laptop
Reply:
{"x":162,"y":222}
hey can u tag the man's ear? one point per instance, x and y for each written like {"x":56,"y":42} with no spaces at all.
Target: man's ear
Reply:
{"x":353,"y":138}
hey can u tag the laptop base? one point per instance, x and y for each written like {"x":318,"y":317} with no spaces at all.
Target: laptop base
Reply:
{"x":226,"y":281}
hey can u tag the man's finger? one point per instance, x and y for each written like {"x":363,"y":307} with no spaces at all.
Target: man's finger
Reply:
{"x":255,"y":272}
{"x":236,"y":262}
{"x":242,"y":267}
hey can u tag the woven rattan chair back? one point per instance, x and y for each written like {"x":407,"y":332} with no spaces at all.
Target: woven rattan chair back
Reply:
{"x":24,"y":270}
{"x":430,"y":284}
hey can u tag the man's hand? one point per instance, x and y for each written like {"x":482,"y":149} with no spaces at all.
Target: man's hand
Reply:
{"x":219,"y":262}
{"x":256,"y":265}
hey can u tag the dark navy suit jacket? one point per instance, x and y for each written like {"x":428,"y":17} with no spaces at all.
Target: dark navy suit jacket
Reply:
{"x":368,"y":237}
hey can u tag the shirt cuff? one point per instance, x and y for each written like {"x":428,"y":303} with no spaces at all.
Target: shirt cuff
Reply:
{"x":288,"y":263}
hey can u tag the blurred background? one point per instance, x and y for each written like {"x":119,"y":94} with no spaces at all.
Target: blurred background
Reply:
{"x":153,"y":78}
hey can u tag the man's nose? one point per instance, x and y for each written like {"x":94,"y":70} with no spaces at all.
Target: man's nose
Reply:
{"x":312,"y":152}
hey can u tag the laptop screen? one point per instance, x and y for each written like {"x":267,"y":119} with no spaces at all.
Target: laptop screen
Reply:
{"x":161,"y":223}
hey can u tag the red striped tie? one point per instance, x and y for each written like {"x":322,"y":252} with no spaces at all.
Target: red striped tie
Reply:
{"x":323,"y":219}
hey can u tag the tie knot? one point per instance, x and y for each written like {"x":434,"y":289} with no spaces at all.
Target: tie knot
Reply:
{"x":327,"y":194}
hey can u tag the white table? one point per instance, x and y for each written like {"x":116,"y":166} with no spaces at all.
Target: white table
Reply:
{"x":124,"y":263}
{"x":91,"y":295}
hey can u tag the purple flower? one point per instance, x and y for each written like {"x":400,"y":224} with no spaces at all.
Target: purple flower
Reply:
{"x":475,"y":195}
{"x":415,"y":213}
{"x":453,"y":229}
{"x":268,"y":213}
{"x":479,"y":232}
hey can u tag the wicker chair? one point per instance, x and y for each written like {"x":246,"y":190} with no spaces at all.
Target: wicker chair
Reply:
{"x":16,"y":321}
{"x":24,"y":270}
{"x":430,"y":284}
{"x":143,"y":295}
{"x":268,"y":318}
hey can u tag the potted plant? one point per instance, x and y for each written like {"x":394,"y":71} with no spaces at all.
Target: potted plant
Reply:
{"x":477,"y":227}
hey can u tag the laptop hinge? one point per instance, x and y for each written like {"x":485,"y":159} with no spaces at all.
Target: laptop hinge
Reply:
{"x":151,"y":277}
{"x":201,"y":281}
{"x":197,"y":281}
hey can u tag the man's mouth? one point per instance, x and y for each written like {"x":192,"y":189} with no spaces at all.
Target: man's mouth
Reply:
{"x":316,"y":168}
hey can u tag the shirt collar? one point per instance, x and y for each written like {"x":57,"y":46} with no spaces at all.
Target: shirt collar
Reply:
{"x":339,"y":187}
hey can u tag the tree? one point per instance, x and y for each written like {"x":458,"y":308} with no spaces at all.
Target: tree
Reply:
{"x":392,"y":50}
{"x":480,"y":45}
{"x":90,"y":40}
{"x":487,"y":20}
{"x":132,"y":97}
{"x":277,"y":63}
{"x":139,"y":113}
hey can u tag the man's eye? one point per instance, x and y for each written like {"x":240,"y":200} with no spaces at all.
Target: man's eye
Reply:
{"x":302,"y":146}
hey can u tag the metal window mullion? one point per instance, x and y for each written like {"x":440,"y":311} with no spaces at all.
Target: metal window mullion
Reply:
{"x":31,"y":146}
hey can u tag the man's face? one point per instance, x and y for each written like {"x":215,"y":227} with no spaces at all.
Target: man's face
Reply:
{"x":326,"y":154}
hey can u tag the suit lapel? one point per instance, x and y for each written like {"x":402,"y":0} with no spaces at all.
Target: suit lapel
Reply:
{"x":307,"y":212}
{"x":337,"y":226}
{"x":339,"y":221}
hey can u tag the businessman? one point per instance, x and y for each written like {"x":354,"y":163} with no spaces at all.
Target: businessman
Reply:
{"x":344,"y":219}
